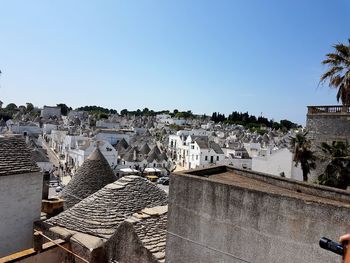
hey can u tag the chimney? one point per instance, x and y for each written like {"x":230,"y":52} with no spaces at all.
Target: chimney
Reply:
{"x":37,"y":241}
{"x":46,"y":182}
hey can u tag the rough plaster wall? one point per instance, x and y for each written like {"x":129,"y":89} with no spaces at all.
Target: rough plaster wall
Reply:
{"x":20,"y":206}
{"x":215,"y":220}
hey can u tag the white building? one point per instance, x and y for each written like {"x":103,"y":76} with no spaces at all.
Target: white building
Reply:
{"x":20,"y":195}
{"x":48,"y":127}
{"x":50,"y":112}
{"x":108,"y":124}
{"x":112,"y":136}
{"x":27,"y":128}
{"x":56,"y":140}
{"x":276,"y":162}
{"x":195,"y":151}
{"x":77,"y":156}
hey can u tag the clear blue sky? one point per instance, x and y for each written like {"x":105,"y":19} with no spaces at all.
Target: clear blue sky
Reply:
{"x":256,"y":56}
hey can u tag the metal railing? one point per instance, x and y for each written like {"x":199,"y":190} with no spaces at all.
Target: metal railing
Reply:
{"x":328,"y":109}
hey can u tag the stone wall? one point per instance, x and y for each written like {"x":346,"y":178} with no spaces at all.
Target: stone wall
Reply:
{"x":216,"y":222}
{"x":328,"y":127}
{"x":20,"y":206}
{"x":125,"y":246}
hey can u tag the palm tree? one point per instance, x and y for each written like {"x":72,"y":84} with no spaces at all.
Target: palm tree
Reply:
{"x":302,"y":153}
{"x":337,"y":172}
{"x":338,"y":73}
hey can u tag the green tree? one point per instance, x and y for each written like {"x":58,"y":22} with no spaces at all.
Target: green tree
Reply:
{"x":11,"y":107}
{"x":103,"y":116}
{"x":302,"y":154}
{"x":124,"y":112}
{"x":29,"y":107}
{"x":64,"y":108}
{"x":338,"y":73}
{"x":337,"y":171}
{"x":145,"y":111}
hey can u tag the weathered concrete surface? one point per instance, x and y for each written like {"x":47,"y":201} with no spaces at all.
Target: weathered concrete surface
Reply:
{"x":243,"y":219}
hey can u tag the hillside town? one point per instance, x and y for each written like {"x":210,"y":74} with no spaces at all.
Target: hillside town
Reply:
{"x":156,"y":144}
{"x":104,"y":179}
{"x":174,"y":132}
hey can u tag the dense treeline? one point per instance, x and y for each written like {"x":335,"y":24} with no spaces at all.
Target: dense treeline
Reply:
{"x":252,"y":121}
{"x":235,"y":117}
{"x":147,"y":112}
{"x":11,"y":109}
{"x":97,"y":109}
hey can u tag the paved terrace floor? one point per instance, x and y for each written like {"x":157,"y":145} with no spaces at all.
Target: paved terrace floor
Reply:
{"x":248,"y":183}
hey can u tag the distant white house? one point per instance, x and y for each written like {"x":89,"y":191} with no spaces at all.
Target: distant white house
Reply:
{"x":77,"y":155}
{"x":195,"y":151}
{"x":276,"y":162}
{"x":112,"y":136}
{"x":48,"y":127}
{"x":56,"y":140}
{"x":50,"y":111}
{"x":108,"y":124}
{"x":26,"y":128}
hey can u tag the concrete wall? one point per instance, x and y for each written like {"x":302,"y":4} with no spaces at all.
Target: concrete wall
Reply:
{"x":20,"y":206}
{"x":215,"y":222}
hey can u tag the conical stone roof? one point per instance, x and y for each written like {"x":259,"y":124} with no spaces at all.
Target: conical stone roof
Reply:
{"x":145,"y":149}
{"x":101,"y":213}
{"x":94,"y":174}
{"x":122,"y":144}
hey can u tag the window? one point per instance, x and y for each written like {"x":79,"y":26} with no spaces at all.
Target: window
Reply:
{"x":206,"y":158}
{"x":192,"y":147}
{"x":217,"y":158}
{"x":196,"y":157}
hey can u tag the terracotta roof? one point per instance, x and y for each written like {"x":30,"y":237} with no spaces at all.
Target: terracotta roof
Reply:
{"x":94,"y":174}
{"x":15,"y":156}
{"x":101,"y":213}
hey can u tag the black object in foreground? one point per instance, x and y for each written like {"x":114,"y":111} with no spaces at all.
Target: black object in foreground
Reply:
{"x":331,"y":246}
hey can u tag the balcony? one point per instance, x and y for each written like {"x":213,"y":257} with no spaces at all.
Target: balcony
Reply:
{"x":334,"y":109}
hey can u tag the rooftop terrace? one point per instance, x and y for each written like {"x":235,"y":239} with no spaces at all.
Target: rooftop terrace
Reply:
{"x":274,"y":185}
{"x":330,"y":109}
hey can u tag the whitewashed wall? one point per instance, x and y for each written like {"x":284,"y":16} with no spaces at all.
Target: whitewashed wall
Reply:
{"x":20,"y":206}
{"x":274,"y":163}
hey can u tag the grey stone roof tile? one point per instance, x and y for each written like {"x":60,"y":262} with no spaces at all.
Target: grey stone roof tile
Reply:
{"x":15,"y":156}
{"x":151,"y":226}
{"x":94,"y":174}
{"x":101,"y":213}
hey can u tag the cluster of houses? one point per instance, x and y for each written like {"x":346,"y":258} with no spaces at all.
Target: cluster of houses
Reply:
{"x":150,"y":143}
{"x":108,"y":212}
